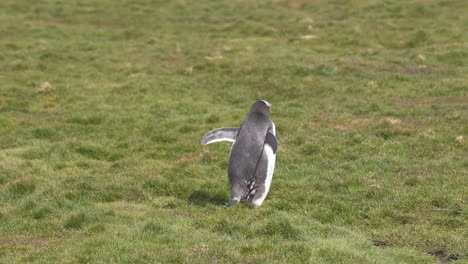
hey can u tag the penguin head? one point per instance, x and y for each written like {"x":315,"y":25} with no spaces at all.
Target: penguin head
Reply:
{"x":261,"y":106}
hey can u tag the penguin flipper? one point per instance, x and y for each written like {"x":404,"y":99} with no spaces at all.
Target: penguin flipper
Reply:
{"x":233,"y":202}
{"x":271,"y":141}
{"x":221,"y":134}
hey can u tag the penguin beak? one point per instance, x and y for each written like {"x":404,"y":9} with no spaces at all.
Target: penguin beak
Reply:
{"x":270,"y":105}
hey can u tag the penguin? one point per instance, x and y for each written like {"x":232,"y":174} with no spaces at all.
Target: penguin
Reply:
{"x":253,"y":155}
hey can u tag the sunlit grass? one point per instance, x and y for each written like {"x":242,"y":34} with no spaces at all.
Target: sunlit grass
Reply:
{"x":103,"y":105}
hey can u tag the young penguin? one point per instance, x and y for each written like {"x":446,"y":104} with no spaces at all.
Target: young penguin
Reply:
{"x":253,"y":154}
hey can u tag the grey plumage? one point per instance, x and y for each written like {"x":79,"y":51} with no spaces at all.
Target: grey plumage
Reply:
{"x":253,"y":153}
{"x":221,"y":134}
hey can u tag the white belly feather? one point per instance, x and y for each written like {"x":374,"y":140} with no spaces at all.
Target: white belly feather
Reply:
{"x":271,"y":157}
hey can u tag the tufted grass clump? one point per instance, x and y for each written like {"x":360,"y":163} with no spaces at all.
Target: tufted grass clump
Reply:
{"x":75,"y":221}
{"x":282,"y":227}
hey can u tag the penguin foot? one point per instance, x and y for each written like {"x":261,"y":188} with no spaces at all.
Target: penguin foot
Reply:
{"x":233,"y":202}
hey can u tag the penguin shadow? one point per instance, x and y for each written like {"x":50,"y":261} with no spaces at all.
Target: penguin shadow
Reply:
{"x":203,"y":198}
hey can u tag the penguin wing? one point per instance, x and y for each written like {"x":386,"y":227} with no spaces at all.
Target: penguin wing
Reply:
{"x":221,"y":134}
{"x":271,"y":141}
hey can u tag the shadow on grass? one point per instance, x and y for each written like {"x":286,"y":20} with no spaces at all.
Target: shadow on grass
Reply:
{"x":202,"y":198}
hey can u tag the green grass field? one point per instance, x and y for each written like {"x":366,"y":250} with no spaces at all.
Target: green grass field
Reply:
{"x":103,"y":105}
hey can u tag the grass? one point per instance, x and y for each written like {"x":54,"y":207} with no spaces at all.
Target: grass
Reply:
{"x":103,"y":163}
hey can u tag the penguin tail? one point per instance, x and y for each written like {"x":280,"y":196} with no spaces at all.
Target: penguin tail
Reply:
{"x":233,"y":202}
